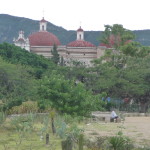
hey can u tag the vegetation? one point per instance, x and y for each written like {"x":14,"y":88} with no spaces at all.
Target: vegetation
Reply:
{"x":116,"y":36}
{"x":31,"y":84}
{"x":66,"y":96}
{"x":55,"y":56}
{"x":11,"y":25}
{"x":29,"y":131}
{"x":26,"y":76}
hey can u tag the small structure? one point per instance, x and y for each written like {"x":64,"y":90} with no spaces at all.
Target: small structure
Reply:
{"x":21,"y":41}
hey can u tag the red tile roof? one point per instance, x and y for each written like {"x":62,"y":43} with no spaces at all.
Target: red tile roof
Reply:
{"x":80,"y":43}
{"x":43,"y":38}
{"x":43,"y":20}
{"x":80,"y":29}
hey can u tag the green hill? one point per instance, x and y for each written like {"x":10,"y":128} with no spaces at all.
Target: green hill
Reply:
{"x":11,"y":25}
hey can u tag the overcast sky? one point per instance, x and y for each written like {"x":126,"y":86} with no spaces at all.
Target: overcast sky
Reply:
{"x":90,"y":14}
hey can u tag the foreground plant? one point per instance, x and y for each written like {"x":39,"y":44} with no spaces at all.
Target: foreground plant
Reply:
{"x":2,"y":118}
{"x":120,"y":142}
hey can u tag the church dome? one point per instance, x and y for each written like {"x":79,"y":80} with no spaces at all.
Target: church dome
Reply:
{"x":80,"y":29}
{"x":43,"y":20}
{"x":80,"y":43}
{"x":43,"y":38}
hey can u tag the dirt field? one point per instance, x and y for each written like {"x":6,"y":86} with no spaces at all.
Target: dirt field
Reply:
{"x":136,"y":128}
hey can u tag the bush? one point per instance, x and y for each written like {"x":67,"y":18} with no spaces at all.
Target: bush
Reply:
{"x":25,"y":107}
{"x":23,"y":122}
{"x":120,"y":142}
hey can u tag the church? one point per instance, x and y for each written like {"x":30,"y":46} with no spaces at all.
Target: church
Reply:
{"x":42,"y":43}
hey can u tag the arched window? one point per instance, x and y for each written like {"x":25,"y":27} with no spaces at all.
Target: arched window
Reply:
{"x":80,"y":36}
{"x":42,"y":27}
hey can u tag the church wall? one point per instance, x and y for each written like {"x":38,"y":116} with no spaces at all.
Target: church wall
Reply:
{"x":100,"y":51}
{"x":83,"y":54}
{"x":42,"y":50}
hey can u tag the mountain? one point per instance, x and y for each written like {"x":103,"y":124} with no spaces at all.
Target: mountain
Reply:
{"x":11,"y":25}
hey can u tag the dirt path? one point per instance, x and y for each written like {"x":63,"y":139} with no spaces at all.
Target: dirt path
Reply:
{"x":138,"y":128}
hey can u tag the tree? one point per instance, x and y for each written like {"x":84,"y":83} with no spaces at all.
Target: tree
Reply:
{"x":131,"y":80}
{"x":55,"y":56}
{"x":66,"y":96}
{"x":135,"y":49}
{"x":16,"y":85}
{"x":116,"y":36}
{"x":17,"y":55}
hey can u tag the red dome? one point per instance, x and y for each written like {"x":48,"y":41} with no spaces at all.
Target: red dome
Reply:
{"x":80,"y":29}
{"x":80,"y":43}
{"x":43,"y":20}
{"x":43,"y":39}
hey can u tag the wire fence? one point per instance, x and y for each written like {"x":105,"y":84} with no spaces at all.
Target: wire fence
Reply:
{"x":134,"y":108}
{"x":127,"y":107}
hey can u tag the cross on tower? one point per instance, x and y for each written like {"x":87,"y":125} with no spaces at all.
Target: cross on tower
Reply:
{"x":80,"y":23}
{"x":43,"y":12}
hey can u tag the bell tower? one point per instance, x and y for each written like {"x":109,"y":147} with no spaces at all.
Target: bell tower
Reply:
{"x":80,"y":34}
{"x":43,"y":25}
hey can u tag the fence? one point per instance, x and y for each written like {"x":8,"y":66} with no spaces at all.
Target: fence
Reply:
{"x":121,"y":106}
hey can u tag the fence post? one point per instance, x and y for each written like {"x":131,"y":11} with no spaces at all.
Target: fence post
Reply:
{"x":47,"y":139}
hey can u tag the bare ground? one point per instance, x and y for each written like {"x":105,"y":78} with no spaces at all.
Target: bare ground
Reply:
{"x":136,"y":128}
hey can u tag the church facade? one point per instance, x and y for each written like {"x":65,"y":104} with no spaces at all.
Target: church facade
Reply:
{"x":42,"y":43}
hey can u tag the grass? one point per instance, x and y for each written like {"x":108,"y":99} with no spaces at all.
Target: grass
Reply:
{"x":31,"y":141}
{"x":12,"y":138}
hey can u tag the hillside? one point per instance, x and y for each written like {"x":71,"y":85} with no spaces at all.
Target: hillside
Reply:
{"x":11,"y":25}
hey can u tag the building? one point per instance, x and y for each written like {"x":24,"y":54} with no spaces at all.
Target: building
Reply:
{"x":22,"y":41}
{"x":42,"y":42}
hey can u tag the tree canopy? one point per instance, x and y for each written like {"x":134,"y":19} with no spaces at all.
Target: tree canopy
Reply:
{"x":115,"y":36}
{"x":122,"y":72}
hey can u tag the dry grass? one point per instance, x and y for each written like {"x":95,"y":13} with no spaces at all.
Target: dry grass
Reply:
{"x":136,"y":128}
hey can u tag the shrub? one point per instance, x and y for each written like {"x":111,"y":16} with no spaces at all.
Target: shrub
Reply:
{"x":120,"y":142}
{"x":25,"y":107}
{"x":23,"y":122}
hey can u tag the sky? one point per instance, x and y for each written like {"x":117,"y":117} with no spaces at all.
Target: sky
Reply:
{"x":91,"y":15}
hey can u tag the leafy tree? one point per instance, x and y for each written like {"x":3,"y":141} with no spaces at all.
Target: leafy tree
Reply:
{"x":16,"y":85}
{"x":55,"y":56}
{"x":131,"y":80}
{"x":66,"y":96}
{"x":116,"y":36}
{"x":135,"y":49}
{"x":17,"y":55}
